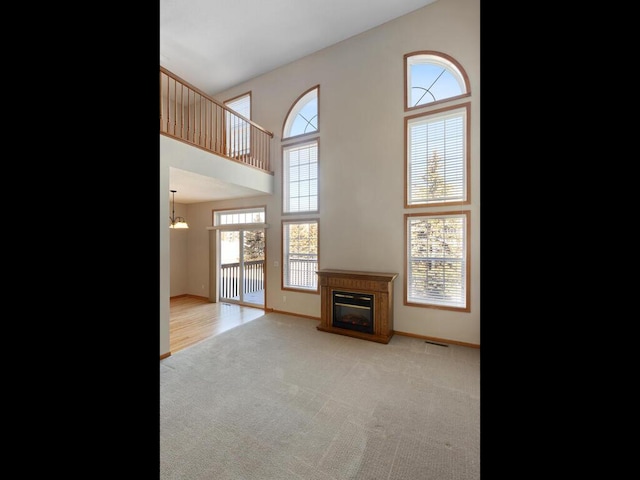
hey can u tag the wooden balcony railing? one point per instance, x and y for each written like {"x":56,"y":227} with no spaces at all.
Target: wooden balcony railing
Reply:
{"x":190,"y":115}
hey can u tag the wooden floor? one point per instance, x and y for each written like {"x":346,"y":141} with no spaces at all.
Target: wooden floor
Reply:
{"x":193,"y":319}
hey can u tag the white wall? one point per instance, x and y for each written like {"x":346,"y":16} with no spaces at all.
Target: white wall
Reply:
{"x":178,"y":250}
{"x":361,"y":160}
{"x":181,"y":268}
{"x":165,"y":262}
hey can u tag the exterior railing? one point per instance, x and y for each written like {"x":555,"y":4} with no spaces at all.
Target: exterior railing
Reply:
{"x":253,"y":277}
{"x":301,"y":271}
{"x":190,"y":115}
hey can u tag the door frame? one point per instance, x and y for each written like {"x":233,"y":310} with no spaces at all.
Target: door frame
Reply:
{"x":243,"y":213}
{"x":241,"y":280}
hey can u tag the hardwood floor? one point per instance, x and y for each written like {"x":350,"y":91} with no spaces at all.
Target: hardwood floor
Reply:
{"x":193,"y":319}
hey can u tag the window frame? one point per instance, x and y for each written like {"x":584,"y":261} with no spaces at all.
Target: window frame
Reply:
{"x":295,"y":109}
{"x":236,"y":98}
{"x":466,"y":268}
{"x":442,"y":59}
{"x":232,"y":147}
{"x":285,"y":242}
{"x":216,"y":215}
{"x":466,"y":181}
{"x":286,"y":182}
{"x":437,"y":285}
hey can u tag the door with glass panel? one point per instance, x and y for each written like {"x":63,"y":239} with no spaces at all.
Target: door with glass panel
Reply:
{"x":242,"y":256}
{"x":242,"y":266}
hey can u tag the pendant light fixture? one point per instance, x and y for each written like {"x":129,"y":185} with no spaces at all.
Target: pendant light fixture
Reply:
{"x":177,"y":222}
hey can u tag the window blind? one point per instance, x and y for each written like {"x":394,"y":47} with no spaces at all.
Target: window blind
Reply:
{"x":436,"y":153}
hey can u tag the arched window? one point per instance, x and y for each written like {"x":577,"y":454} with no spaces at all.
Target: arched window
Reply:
{"x":300,"y":172}
{"x":303,"y":116}
{"x":437,"y":166}
{"x":432,"y":77}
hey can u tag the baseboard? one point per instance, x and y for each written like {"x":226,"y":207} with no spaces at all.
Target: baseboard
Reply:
{"x":421,"y":337}
{"x":396,"y":332}
{"x":293,"y":314}
{"x":190,"y":296}
{"x":437,"y":340}
{"x":165,"y":355}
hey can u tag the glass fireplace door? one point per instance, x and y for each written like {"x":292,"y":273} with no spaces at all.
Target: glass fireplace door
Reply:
{"x":353,"y":311}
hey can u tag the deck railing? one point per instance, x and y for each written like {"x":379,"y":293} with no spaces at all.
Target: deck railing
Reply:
{"x":253,"y":275}
{"x":190,"y":115}
{"x":301,"y":271}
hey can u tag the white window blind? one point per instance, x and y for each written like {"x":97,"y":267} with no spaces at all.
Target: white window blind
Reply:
{"x":437,"y":259}
{"x":300,"y":183}
{"x":436,"y":157}
{"x":242,"y":105}
{"x":238,"y":130}
{"x":300,"y":254}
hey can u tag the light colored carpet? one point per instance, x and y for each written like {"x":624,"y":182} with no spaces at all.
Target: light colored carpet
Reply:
{"x":277,"y":399}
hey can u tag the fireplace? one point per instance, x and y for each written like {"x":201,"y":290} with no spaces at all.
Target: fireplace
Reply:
{"x":357,"y":304}
{"x":353,"y":311}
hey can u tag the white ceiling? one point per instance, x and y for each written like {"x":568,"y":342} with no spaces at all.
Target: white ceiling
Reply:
{"x":195,"y":188}
{"x":217,"y":44}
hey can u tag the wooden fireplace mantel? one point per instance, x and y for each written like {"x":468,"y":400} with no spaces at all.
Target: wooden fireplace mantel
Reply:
{"x":380,"y":285}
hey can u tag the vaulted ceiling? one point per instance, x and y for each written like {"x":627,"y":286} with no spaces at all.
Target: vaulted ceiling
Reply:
{"x":217,"y":44}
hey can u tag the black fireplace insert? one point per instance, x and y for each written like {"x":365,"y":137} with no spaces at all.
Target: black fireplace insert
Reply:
{"x":353,"y":311}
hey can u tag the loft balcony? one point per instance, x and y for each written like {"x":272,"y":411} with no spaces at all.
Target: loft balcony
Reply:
{"x":191,"y":116}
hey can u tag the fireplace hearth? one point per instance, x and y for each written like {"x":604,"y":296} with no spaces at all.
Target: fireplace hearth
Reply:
{"x":357,"y":304}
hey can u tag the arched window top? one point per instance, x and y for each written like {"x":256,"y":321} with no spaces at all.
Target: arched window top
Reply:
{"x":433,"y":77}
{"x":303,"y":116}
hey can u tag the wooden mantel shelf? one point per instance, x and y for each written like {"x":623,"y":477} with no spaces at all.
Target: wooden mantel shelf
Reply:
{"x":378,"y":284}
{"x":355,"y":274}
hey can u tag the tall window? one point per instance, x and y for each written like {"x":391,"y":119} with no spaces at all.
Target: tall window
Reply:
{"x":300,"y":255}
{"x":437,"y":174}
{"x":437,"y":158}
{"x":300,"y":158}
{"x":437,"y":260}
{"x":237,"y":129}
{"x":300,"y":173}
